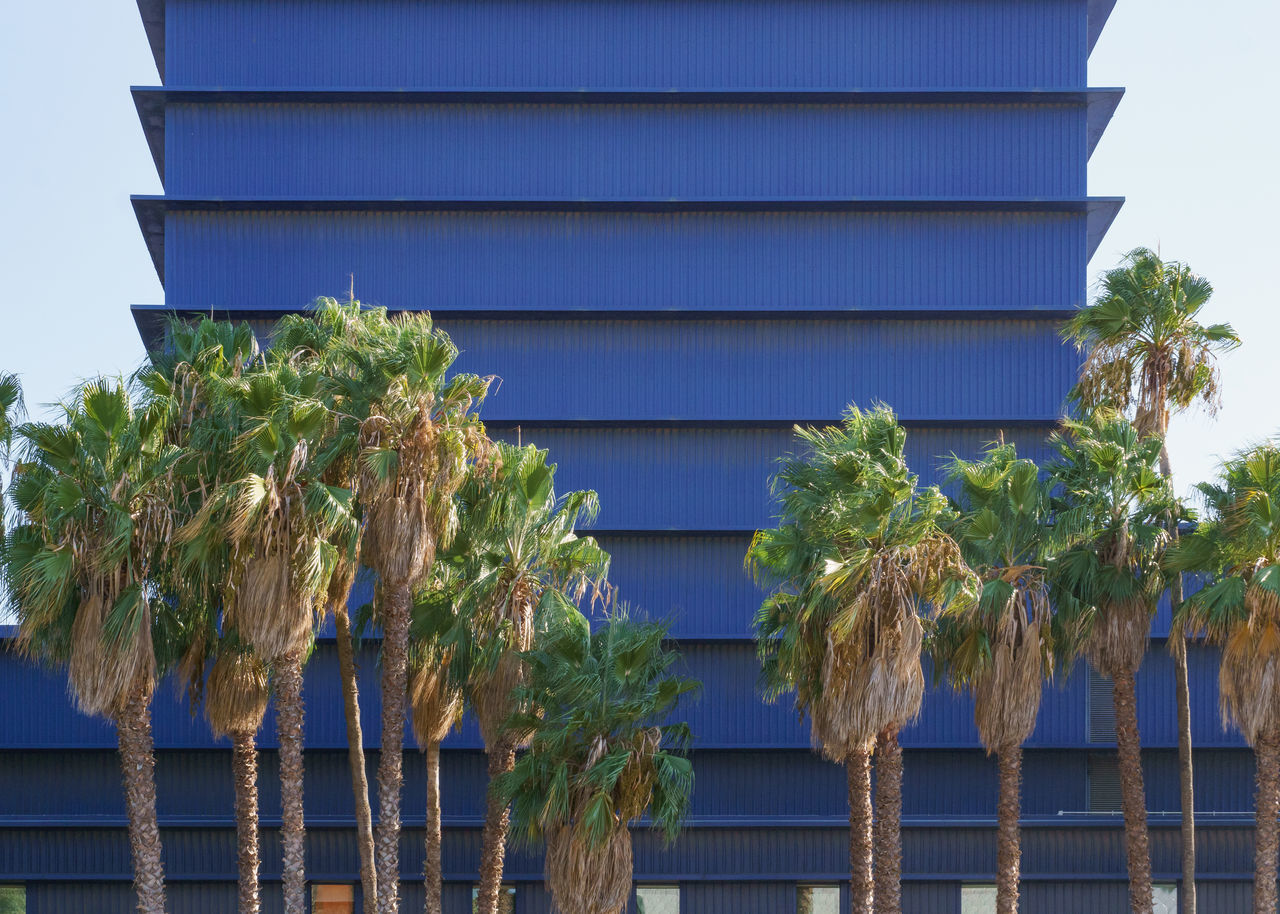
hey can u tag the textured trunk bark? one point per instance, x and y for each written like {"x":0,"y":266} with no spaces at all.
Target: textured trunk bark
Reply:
{"x":244,"y":769}
{"x":355,"y":757}
{"x":138,"y":765}
{"x":1133,"y":798}
{"x":497,"y":816}
{"x":432,"y":867}
{"x":293,"y":834}
{"x":1008,"y":838}
{"x":888,"y":827}
{"x":861,"y":888}
{"x":1267,"y":808}
{"x":395,"y":645}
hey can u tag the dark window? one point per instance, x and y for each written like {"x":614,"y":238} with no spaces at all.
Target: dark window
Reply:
{"x":1104,"y":782}
{"x":1100,"y":709}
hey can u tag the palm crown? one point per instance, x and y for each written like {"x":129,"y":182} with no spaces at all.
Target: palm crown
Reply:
{"x":95,"y":494}
{"x":994,"y":634}
{"x":1145,"y":344}
{"x":1108,"y":533}
{"x":859,"y":545}
{"x":1238,"y":546}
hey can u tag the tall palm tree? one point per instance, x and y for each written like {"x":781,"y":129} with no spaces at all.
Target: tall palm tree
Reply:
{"x":1147,"y":350}
{"x":859,"y":545}
{"x":1109,"y":529}
{"x":994,"y":636}
{"x":524,"y":561}
{"x":314,"y":340}
{"x":1239,"y":609}
{"x":436,"y":703}
{"x":94,"y":495}
{"x":599,"y":758}
{"x":415,"y":430}
{"x":277,"y":516}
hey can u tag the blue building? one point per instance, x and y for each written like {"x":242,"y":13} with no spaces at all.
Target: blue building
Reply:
{"x":674,"y":228}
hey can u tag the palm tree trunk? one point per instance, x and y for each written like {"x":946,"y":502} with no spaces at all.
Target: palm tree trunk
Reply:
{"x":858,"y":767}
{"x":1186,"y":770}
{"x":1182,"y":692}
{"x":1267,"y":807}
{"x":502,"y":758}
{"x":138,"y":765}
{"x":244,"y":771}
{"x":433,"y":866}
{"x":888,"y":825}
{"x":1008,"y":839}
{"x":355,"y":757}
{"x":289,"y":720}
{"x":395,"y":654}
{"x":1133,"y":798}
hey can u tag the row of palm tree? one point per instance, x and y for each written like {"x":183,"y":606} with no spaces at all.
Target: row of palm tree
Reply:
{"x":205,"y":520}
{"x":1027,"y":568}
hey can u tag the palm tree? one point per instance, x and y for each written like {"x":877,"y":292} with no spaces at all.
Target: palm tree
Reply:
{"x":994,"y":636}
{"x":523,"y":561}
{"x":859,"y":545}
{"x":415,"y":431}
{"x":1109,"y":529}
{"x":277,"y":516}
{"x":1239,"y":609}
{"x":436,"y":703}
{"x":599,"y":757}
{"x":94,"y":493}
{"x":314,"y":340}
{"x":1146,"y":350}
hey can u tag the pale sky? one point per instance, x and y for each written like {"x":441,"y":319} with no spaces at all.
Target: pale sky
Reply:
{"x":1193,"y":147}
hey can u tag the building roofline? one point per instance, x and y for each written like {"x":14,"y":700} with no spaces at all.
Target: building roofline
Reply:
{"x":153,"y":20}
{"x":150,"y":209}
{"x":1100,"y":103}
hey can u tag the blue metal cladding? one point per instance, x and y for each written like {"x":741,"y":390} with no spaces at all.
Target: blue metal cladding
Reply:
{"x":745,"y":371}
{"x":525,"y":151}
{"x":729,"y":713}
{"x":733,"y":786}
{"x":715,"y":479}
{"x":626,"y":43}
{"x":604,"y":262}
{"x":120,"y":898}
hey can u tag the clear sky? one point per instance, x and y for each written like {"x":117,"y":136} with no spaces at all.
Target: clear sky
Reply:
{"x":1193,"y":146}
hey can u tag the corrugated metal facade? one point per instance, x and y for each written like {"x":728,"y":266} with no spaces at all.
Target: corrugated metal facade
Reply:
{"x":673,"y":229}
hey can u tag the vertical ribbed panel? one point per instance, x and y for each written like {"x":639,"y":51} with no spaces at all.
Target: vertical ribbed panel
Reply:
{"x":738,"y":898}
{"x":628,"y":261}
{"x":1057,"y":897}
{"x":627,"y":43}
{"x":1100,"y":708}
{"x":610,"y":151}
{"x":767,"y":370}
{"x":714,"y":479}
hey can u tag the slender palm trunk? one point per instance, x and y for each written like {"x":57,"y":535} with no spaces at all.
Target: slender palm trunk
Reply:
{"x":244,"y":771}
{"x":289,"y":721}
{"x":1133,"y":798}
{"x":1267,"y":754}
{"x":432,"y":868}
{"x":355,"y":757}
{"x":395,"y":654}
{"x":502,"y":758}
{"x":138,"y":765}
{"x":1182,"y":691}
{"x":1008,"y":838}
{"x":888,"y":826}
{"x":858,"y":767}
